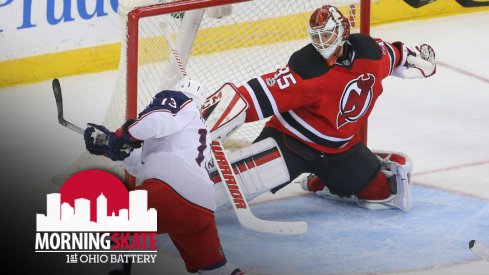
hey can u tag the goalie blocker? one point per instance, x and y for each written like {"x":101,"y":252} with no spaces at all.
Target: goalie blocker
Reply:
{"x":224,"y":111}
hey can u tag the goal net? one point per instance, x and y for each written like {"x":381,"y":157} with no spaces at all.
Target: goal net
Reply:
{"x":219,"y":41}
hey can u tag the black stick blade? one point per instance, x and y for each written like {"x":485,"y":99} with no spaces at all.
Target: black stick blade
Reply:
{"x":59,"y":105}
{"x":59,"y":100}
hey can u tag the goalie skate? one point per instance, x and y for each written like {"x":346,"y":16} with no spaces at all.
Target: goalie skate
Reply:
{"x":311,"y":183}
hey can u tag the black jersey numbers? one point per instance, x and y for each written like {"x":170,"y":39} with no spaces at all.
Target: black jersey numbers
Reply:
{"x":284,"y":78}
{"x":203,"y":144}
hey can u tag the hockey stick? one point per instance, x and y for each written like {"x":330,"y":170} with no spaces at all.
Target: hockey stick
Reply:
{"x":233,"y":190}
{"x":59,"y":104}
{"x":100,"y":139}
{"x":479,"y":249}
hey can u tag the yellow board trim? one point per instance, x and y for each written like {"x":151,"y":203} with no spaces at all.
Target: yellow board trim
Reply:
{"x":48,"y":66}
{"x":272,"y":30}
{"x":390,"y":11}
{"x":106,"y":57}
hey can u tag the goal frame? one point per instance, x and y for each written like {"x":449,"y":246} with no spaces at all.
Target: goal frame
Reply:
{"x":132,"y":39}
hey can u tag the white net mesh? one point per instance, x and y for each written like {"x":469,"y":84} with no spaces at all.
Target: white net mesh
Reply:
{"x":258,"y":37}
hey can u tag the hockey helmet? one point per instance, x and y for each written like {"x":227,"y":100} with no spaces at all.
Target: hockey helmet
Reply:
{"x":193,"y":89}
{"x":328,"y":30}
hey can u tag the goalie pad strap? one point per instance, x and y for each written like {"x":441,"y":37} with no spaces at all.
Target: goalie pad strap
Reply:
{"x":251,"y":162}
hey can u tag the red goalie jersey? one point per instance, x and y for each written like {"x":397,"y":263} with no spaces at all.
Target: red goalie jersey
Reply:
{"x":325,"y":107}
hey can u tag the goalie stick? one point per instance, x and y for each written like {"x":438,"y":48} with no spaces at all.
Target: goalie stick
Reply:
{"x":479,"y":249}
{"x":233,"y":190}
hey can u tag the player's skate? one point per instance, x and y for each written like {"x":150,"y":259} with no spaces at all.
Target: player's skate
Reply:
{"x":397,"y":168}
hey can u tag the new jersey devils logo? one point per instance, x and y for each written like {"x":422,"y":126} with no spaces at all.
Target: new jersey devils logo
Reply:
{"x":356,"y":99}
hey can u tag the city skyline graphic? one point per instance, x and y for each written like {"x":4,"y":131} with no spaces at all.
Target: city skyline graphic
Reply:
{"x":62,"y":217}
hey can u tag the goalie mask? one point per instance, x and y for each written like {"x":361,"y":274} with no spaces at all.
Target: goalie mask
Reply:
{"x":192,"y":89}
{"x":328,"y":30}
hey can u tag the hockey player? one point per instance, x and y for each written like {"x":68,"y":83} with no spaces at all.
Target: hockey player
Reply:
{"x":167,"y":148}
{"x":319,"y":102}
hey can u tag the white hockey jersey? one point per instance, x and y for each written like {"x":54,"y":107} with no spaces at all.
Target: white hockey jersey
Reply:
{"x":175,"y":149}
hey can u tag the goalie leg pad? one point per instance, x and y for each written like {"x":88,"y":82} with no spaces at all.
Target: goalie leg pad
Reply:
{"x":397,"y":168}
{"x":258,"y":168}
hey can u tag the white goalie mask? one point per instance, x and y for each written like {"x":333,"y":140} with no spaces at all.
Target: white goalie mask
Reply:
{"x":193,"y":89}
{"x":328,"y":30}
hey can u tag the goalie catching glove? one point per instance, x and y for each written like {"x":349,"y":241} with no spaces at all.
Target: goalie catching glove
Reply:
{"x":416,"y":62}
{"x":114,"y":145}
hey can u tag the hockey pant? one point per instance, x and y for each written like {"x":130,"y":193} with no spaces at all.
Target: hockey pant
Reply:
{"x":192,"y":228}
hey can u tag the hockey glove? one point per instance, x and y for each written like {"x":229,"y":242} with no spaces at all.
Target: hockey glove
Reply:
{"x":417,"y":62}
{"x":96,"y":139}
{"x":121,"y":143}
